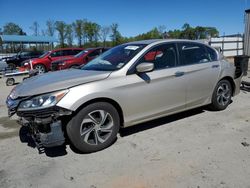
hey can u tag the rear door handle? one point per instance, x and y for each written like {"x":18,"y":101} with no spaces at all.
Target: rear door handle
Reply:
{"x":178,"y":74}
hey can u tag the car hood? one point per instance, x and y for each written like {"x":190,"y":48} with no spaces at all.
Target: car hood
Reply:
{"x":59,"y":80}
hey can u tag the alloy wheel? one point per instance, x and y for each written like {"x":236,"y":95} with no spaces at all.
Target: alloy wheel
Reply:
{"x":223,"y":94}
{"x":40,"y":69}
{"x":96,"y":127}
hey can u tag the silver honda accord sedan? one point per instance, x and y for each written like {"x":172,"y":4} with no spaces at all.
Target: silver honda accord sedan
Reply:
{"x":129,"y":84}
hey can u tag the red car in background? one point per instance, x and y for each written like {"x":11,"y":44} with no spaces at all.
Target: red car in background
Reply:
{"x":43,"y":63}
{"x":81,"y":58}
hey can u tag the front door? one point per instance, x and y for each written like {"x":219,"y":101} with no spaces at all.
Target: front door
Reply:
{"x":155,"y":93}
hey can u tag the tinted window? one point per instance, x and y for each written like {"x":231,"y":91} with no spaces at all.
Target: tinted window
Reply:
{"x":94,"y":53}
{"x":192,"y":53}
{"x":212,"y":54}
{"x":57,"y":54}
{"x":67,"y":52}
{"x":163,"y":56}
{"x":74,"y":52}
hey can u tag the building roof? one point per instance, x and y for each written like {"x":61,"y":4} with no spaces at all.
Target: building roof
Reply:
{"x":247,"y":11}
{"x":26,"y":39}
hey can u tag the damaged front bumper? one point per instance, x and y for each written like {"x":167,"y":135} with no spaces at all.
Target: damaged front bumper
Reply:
{"x":45,"y":135}
{"x":45,"y":125}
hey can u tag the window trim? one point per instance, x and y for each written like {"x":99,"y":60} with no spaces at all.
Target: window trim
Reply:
{"x":132,"y":68}
{"x":191,"y":42}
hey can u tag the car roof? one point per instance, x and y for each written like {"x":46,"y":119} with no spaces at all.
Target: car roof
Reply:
{"x":68,"y":49}
{"x":151,"y":41}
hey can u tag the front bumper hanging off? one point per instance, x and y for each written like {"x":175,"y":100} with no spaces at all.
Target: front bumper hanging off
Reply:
{"x":49,"y":135}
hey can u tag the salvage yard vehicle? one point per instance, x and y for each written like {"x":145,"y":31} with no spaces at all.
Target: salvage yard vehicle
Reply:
{"x":79,"y":59}
{"x":16,"y":60}
{"x":129,"y":84}
{"x":43,"y":63}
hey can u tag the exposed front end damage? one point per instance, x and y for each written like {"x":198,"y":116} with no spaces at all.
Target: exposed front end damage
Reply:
{"x":44,"y":125}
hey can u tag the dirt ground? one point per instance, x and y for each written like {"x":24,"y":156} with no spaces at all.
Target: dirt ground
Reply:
{"x":195,"y":149}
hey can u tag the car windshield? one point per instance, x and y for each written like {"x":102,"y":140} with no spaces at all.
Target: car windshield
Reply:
{"x":114,"y":58}
{"x":45,"y":54}
{"x":81,"y":53}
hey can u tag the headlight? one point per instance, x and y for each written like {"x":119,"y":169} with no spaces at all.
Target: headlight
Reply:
{"x":42,"y":101}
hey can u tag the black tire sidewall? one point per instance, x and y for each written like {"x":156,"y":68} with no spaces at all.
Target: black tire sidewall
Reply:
{"x":73,"y":127}
{"x":10,"y":82}
{"x":215,"y":105}
{"x":12,"y":66}
{"x":44,"y":68}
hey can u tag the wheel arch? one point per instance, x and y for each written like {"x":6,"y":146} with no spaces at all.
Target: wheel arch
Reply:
{"x":104,"y":99}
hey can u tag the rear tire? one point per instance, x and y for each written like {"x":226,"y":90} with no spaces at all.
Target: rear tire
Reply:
{"x":94,"y":127}
{"x":10,"y":82}
{"x":221,"y":96}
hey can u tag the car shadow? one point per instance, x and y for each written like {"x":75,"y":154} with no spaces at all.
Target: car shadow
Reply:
{"x":59,"y":151}
{"x":160,"y":121}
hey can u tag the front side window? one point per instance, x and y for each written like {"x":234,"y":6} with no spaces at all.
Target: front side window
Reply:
{"x":57,"y":54}
{"x":114,"y":58}
{"x":163,"y":56}
{"x":193,"y":53}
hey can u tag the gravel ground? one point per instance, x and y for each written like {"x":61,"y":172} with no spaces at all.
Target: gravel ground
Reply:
{"x":197,"y":149}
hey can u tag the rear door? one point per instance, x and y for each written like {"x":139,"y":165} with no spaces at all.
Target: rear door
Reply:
{"x":201,"y":72}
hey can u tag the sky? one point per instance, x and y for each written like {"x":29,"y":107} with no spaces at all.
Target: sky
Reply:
{"x":133,"y":16}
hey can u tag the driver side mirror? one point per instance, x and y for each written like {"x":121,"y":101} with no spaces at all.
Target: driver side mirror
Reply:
{"x":144,"y":67}
{"x":49,"y":57}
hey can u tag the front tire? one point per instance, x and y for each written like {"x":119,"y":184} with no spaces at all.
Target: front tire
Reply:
{"x":40,"y":68}
{"x":221,"y":96}
{"x":94,"y":127}
{"x":12,"y":66}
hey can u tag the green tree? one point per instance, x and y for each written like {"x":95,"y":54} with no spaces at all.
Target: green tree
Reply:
{"x":115,"y":36}
{"x":12,"y":29}
{"x":198,"y":32}
{"x":50,"y":24}
{"x":35,"y":28}
{"x":78,"y":27}
{"x":92,"y":32}
{"x":69,"y":35}
{"x":104,"y":33}
{"x":61,"y":28}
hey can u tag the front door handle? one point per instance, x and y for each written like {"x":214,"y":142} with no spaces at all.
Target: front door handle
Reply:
{"x":178,"y":74}
{"x":215,"y":66}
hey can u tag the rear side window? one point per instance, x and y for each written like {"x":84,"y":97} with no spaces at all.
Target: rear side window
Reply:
{"x":67,"y":52}
{"x":193,"y":53}
{"x":212,"y":54}
{"x":163,"y":56}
